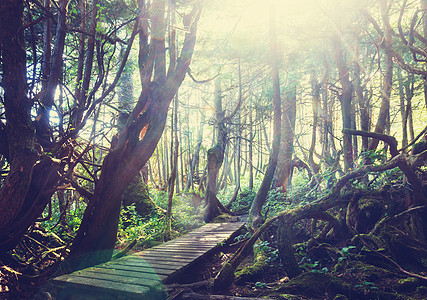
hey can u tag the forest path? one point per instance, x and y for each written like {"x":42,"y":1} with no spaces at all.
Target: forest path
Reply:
{"x":141,"y":275}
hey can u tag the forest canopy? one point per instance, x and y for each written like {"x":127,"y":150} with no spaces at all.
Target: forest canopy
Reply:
{"x":124,"y":123}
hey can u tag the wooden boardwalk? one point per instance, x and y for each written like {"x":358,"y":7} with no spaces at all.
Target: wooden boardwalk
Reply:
{"x":141,"y":275}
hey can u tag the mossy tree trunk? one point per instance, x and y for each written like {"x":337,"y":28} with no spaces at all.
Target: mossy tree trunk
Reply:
{"x":285,"y":239}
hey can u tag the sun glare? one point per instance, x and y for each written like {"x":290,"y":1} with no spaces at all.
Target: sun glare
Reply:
{"x":243,"y":17}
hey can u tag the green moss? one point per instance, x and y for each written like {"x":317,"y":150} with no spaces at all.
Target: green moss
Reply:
{"x":251,"y":272}
{"x":137,"y":193}
{"x":364,"y":204}
{"x":224,"y":218}
{"x":289,"y":297}
{"x":364,"y":271}
{"x":316,"y":284}
{"x":227,"y":276}
{"x":405,"y":250}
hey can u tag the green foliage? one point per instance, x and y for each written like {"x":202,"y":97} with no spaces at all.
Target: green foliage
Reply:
{"x":346,"y":252}
{"x":244,"y":200}
{"x":263,"y":246}
{"x":260,"y":285}
{"x":242,"y":237}
{"x":308,"y":264}
{"x":101,"y":18}
{"x":366,"y":285}
{"x":130,"y":223}
{"x":375,"y":157}
{"x":69,"y":226}
{"x":276,"y":201}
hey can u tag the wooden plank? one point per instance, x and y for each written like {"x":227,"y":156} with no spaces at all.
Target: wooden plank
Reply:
{"x":147,"y":279}
{"x":161,"y":257}
{"x":196,"y":241}
{"x":205,"y":236}
{"x":195,"y":244}
{"x":188,"y":247}
{"x":144,"y":265}
{"x":119,"y":279}
{"x":203,"y":240}
{"x":153,"y":263}
{"x":213,"y":230}
{"x":176,"y":250}
{"x":219,"y":227}
{"x":192,"y":244}
{"x":138,"y":267}
{"x":162,"y":274}
{"x":162,"y":260}
{"x":102,"y":285}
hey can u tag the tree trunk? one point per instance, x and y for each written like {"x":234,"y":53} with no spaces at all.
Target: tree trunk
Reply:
{"x":403,"y":112}
{"x":42,"y":121}
{"x":384,"y":114}
{"x":250,"y":152}
{"x":363,"y":104}
{"x":285,"y":241}
{"x":215,"y":158}
{"x":326,"y":145}
{"x":97,"y":233}
{"x":315,"y":105}
{"x":283,"y":175}
{"x":424,"y":20}
{"x":84,"y":85}
{"x":261,"y":195}
{"x":345,"y":99}
{"x":195,"y":160}
{"x":171,"y":184}
{"x":47,"y":51}
{"x":21,"y":153}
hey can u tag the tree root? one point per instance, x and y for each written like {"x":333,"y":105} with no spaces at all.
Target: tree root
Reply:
{"x":226,"y":275}
{"x":392,"y":261}
{"x":250,"y":272}
{"x":394,"y":218}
